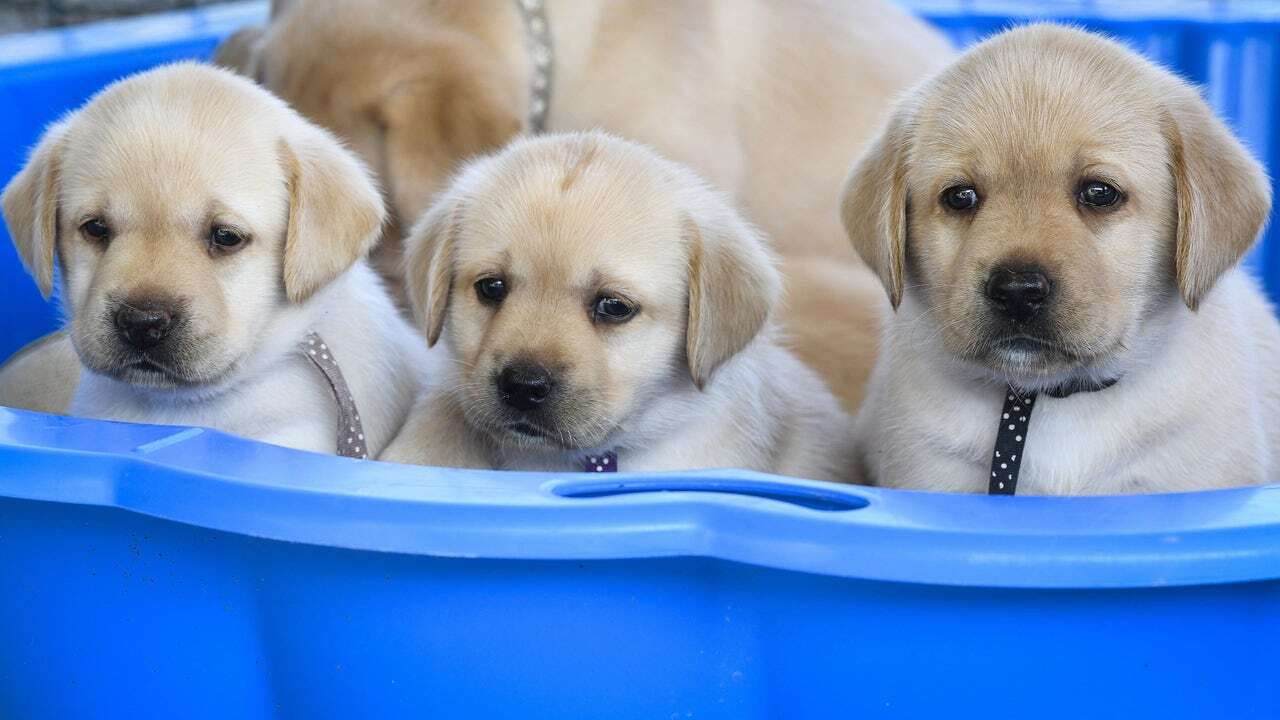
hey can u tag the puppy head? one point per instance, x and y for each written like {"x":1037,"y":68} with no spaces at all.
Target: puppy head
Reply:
{"x":190,"y":213}
{"x":412,"y":95}
{"x":1045,"y":196}
{"x":579,"y":279}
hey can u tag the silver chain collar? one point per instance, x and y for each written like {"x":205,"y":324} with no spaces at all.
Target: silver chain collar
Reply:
{"x":537,"y":33}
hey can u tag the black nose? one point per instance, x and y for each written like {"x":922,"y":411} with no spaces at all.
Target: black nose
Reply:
{"x":525,"y":386}
{"x":1018,"y":293}
{"x":144,"y":324}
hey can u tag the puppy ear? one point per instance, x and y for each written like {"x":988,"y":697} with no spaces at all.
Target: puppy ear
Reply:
{"x":30,"y":202}
{"x":434,"y":123}
{"x":734,"y":285}
{"x":335,"y":211}
{"x":873,"y":205}
{"x":428,"y":251}
{"x":239,"y":52}
{"x":1223,"y":195}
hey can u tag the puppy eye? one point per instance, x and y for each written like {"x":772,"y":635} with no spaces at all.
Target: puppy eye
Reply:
{"x":96,"y":229}
{"x":960,"y":197}
{"x":1096,"y":193}
{"x":224,"y":238}
{"x":491,"y":290}
{"x":612,"y":309}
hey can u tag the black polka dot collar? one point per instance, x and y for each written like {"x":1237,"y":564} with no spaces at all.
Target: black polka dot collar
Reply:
{"x":1011,"y":437}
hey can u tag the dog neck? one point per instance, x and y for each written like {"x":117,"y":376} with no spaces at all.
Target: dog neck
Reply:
{"x":1071,"y":387}
{"x":350,"y":429}
{"x":1013,"y":428}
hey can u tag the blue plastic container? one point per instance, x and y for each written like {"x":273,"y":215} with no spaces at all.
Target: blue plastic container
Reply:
{"x":169,"y":572}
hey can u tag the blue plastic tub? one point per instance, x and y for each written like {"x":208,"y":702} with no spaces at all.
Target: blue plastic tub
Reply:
{"x":169,"y":572}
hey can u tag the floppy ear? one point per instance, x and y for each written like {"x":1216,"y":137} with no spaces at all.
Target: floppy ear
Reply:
{"x":239,"y":52}
{"x":434,"y":123}
{"x":335,"y":211}
{"x":428,"y":273}
{"x":30,"y":202}
{"x":873,"y":205}
{"x":1222,"y":193}
{"x":733,"y":287}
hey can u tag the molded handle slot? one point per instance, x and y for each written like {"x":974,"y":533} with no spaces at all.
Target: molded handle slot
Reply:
{"x":801,"y":495}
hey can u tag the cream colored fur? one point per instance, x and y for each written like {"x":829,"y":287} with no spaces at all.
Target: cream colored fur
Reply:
{"x":41,"y":376}
{"x":767,"y":99}
{"x":1149,"y":291}
{"x":697,"y":378}
{"x":163,"y":157}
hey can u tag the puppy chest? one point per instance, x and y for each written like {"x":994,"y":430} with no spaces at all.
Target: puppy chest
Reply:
{"x":1047,"y":446}
{"x":1072,"y":447}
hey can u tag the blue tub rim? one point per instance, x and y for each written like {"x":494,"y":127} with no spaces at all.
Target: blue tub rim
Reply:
{"x":212,"y":480}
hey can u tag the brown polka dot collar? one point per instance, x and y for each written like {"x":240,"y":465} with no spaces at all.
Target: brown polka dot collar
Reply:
{"x":537,"y":31}
{"x":350,"y":433}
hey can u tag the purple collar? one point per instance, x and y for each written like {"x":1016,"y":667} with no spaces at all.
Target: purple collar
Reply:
{"x":605,"y":463}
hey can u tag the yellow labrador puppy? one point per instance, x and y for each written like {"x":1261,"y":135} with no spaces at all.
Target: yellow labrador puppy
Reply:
{"x":767,"y":99}
{"x":605,"y":309}
{"x":210,"y":243}
{"x":1059,"y":224}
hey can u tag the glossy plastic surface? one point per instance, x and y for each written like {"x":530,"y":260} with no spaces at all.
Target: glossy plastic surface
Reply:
{"x":204,"y":478}
{"x":146,"y":568}
{"x":157,"y":571}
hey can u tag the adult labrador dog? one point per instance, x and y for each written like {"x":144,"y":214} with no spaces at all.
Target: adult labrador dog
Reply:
{"x":1059,"y":224}
{"x":605,"y":309}
{"x":210,"y":245}
{"x":767,"y":99}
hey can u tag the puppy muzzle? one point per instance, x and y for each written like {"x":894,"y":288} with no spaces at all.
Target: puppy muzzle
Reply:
{"x":532,"y":405}
{"x":146,"y":343}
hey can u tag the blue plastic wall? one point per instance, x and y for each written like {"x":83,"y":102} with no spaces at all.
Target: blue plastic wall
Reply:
{"x":153,"y":618}
{"x":196,"y":575}
{"x":151,"y":572}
